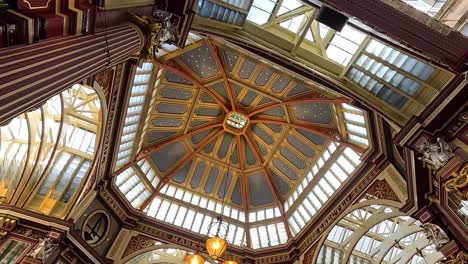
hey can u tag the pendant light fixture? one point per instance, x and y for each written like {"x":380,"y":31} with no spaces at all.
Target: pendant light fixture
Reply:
{"x":194,"y":259}
{"x":216,"y":244}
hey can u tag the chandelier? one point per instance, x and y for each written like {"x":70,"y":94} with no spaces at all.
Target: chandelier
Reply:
{"x":216,"y":243}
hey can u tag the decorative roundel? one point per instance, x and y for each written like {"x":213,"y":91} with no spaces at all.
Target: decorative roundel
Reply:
{"x":95,"y":228}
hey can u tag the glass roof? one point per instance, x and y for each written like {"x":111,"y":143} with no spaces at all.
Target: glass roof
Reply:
{"x":377,"y":234}
{"x":50,"y":150}
{"x":179,"y":163}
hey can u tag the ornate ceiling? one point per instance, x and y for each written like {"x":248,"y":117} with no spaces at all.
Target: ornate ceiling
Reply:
{"x":190,"y":143}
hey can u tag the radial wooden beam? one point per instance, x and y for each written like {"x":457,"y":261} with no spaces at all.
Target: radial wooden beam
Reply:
{"x":310,"y":98}
{"x":179,"y":166}
{"x":329,"y":133}
{"x":244,"y":193}
{"x":223,"y":73}
{"x":272,"y":185}
{"x":150,"y":150}
{"x":194,"y":80}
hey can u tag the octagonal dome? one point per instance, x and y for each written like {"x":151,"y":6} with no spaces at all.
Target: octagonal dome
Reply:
{"x":211,"y":129}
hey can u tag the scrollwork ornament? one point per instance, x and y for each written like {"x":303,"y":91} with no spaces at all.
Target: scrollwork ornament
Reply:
{"x":459,"y":184}
{"x":460,"y":258}
{"x":435,"y":235}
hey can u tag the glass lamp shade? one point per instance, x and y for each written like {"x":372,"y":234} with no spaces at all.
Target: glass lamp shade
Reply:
{"x":194,"y":259}
{"x":230,"y":262}
{"x":215,"y":247}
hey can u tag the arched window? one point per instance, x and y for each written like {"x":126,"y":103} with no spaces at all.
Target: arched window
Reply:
{"x":377,"y":234}
{"x":46,"y":154}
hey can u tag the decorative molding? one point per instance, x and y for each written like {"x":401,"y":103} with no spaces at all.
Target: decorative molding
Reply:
{"x":104,"y":79}
{"x":137,"y":243}
{"x":274,"y":259}
{"x":113,"y":95}
{"x":380,"y":189}
{"x":110,"y":201}
{"x":309,"y":255}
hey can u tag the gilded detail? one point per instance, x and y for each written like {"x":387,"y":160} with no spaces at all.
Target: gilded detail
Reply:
{"x":458,"y":185}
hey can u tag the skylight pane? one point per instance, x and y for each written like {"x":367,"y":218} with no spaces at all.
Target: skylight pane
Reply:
{"x":258,"y":16}
{"x":254,"y":238}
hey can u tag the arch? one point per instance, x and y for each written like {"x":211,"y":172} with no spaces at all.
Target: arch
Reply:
{"x":368,"y":231}
{"x":137,"y":257}
{"x":54,"y":147}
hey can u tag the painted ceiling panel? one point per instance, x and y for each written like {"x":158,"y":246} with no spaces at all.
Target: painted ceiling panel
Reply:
{"x":300,"y":146}
{"x":196,"y":123}
{"x":263,"y":77}
{"x":312,"y":112}
{"x":249,"y":98}
{"x":258,"y":185}
{"x":220,"y":90}
{"x":230,"y":59}
{"x":155,"y":136}
{"x":247,"y":68}
{"x":175,"y":78}
{"x":224,"y":147}
{"x":197,"y":174}
{"x":180,"y":176}
{"x":201,"y":61}
{"x":284,"y":168}
{"x":197,"y":138}
{"x":292,"y":157}
{"x":175,"y":93}
{"x":283,"y":187}
{"x":224,"y":185}
{"x":168,"y":108}
{"x":167,"y":122}
{"x":211,"y":180}
{"x":298,"y":89}
{"x":280,"y":84}
{"x":236,"y":196}
{"x":317,"y":140}
{"x":169,"y":156}
{"x":210,"y":112}
{"x":207,"y":99}
{"x":267,"y":138}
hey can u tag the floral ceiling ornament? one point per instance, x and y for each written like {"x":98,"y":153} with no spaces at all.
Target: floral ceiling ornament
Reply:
{"x":435,"y":235}
{"x":436,"y":154}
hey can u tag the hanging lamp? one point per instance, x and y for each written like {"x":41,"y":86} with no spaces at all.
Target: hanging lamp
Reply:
{"x":216,"y":243}
{"x":194,"y":259}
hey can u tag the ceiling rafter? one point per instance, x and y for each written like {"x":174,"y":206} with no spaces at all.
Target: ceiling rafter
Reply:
{"x":271,"y":184}
{"x":178,"y":70}
{"x":329,"y":133}
{"x":244,"y":194}
{"x":221,"y":68}
{"x":309,"y":98}
{"x":146,"y":152}
{"x":179,"y":166}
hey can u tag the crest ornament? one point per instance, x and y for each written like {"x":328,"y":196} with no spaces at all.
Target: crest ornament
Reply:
{"x":437,"y":154}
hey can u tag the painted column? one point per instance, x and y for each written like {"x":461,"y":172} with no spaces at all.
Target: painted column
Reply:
{"x":31,"y":74}
{"x":407,"y":25}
